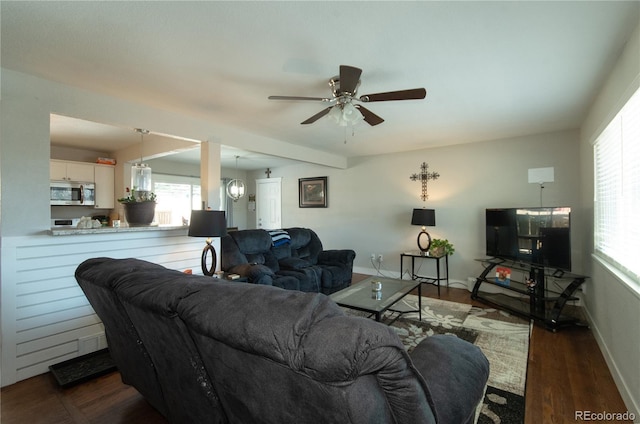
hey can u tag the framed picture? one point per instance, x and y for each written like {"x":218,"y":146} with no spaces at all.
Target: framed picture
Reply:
{"x":312,"y":192}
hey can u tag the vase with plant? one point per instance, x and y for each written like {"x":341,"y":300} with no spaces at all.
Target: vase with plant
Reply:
{"x":441,"y":247}
{"x":139,"y":207}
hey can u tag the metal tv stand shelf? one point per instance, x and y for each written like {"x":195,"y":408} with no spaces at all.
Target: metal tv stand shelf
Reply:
{"x":531,"y":297}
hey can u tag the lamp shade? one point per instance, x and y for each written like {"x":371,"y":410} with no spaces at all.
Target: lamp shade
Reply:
{"x":424,"y":217}
{"x":207,"y":223}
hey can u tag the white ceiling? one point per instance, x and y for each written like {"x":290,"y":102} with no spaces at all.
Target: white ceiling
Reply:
{"x":491,"y":69}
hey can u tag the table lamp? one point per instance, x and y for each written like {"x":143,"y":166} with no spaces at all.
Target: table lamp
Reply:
{"x":208,"y":224}
{"x":425,"y":218}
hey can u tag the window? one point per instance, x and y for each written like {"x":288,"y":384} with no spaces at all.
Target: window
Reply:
{"x":617,"y":190}
{"x":226,"y":203}
{"x":176,"y":197}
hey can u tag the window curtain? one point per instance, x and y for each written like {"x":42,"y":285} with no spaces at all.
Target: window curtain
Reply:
{"x":225,"y":201}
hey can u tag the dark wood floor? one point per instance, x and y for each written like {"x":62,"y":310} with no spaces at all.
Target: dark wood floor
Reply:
{"x":566,"y":373}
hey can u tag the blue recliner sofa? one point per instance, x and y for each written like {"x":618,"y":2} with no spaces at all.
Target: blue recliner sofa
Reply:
{"x":295,"y":260}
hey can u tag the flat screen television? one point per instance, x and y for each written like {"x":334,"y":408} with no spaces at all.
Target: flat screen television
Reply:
{"x":541,"y":236}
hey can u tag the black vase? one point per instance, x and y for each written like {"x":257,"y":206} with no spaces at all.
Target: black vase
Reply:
{"x":139,"y":214}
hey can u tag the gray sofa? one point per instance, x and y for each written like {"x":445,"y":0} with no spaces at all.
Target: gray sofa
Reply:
{"x":298,"y":262}
{"x":206,"y":351}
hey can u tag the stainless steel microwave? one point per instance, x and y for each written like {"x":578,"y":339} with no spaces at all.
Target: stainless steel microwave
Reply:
{"x":69,"y":193}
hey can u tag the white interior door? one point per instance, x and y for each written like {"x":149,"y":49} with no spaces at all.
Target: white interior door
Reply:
{"x":269,"y":203}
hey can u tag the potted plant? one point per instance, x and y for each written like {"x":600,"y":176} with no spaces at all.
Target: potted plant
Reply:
{"x":441,"y":247}
{"x":139,"y":207}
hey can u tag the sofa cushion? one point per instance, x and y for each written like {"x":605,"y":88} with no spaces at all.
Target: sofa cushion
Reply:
{"x":257,"y":274}
{"x":461,"y":376}
{"x":230,"y":255}
{"x":307,"y":279}
{"x":252,"y":241}
{"x":305,"y":244}
{"x":265,"y":327}
{"x":318,"y":347}
{"x":96,"y":278}
{"x":283,"y":251}
{"x":343,"y":348}
{"x":150,"y":299}
{"x":293,"y":263}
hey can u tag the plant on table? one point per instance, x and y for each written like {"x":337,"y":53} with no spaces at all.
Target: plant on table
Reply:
{"x":135,"y":196}
{"x":139,"y":207}
{"x":440,"y":247}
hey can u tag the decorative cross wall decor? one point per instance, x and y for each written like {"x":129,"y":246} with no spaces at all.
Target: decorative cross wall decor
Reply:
{"x":268,"y":172}
{"x":424,"y":176}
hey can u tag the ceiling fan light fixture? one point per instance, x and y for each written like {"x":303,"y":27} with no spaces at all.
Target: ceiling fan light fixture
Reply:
{"x":345,"y":114}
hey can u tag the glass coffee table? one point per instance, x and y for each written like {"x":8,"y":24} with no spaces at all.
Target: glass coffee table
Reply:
{"x":362,"y":296}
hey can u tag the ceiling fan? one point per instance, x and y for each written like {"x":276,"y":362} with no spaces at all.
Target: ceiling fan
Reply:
{"x":344,"y":88}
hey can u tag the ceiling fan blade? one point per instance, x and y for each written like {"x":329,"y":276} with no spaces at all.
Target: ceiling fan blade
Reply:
{"x":317,"y":116}
{"x":369,"y":117}
{"x":349,"y":78}
{"x":413,"y":94}
{"x":319,"y":99}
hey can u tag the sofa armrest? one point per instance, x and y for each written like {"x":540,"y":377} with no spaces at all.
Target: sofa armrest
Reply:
{"x":342,"y":256}
{"x":255,"y":273}
{"x":456,"y":374}
{"x":293,"y":263}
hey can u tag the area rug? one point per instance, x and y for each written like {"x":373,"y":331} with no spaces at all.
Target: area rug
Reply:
{"x":503,"y":338}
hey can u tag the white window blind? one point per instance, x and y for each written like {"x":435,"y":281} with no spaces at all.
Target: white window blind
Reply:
{"x":617,"y":190}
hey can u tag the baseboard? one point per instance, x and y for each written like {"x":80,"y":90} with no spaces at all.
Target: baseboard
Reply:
{"x":630,"y":402}
{"x":372,"y":271}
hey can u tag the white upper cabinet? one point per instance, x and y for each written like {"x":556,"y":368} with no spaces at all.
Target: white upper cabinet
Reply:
{"x":105,"y":183}
{"x":71,"y":171}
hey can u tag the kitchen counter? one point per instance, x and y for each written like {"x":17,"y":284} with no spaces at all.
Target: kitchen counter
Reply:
{"x":111,"y":230}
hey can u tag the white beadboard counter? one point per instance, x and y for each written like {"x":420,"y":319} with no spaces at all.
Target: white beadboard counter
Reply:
{"x":45,"y":317}
{"x":111,"y":230}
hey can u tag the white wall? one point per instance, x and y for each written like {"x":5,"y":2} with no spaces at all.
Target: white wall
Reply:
{"x":371,"y":202}
{"x":612,"y":305}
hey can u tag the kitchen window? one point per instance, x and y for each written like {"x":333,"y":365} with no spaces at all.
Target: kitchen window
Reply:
{"x":176,"y":197}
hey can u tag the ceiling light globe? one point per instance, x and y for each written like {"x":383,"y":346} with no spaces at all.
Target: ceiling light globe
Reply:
{"x":236,"y":189}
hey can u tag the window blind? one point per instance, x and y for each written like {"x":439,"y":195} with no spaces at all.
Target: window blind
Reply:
{"x":617,"y":190}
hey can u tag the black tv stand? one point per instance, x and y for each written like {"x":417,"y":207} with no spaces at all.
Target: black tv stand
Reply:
{"x":531,"y":298}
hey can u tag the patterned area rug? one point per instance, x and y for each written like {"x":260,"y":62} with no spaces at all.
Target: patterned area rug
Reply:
{"x":503,"y":338}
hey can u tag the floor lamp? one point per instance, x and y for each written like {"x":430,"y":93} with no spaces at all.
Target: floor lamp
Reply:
{"x":208,"y":224}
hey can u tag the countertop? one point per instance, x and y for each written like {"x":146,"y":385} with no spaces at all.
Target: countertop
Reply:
{"x":111,"y":230}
